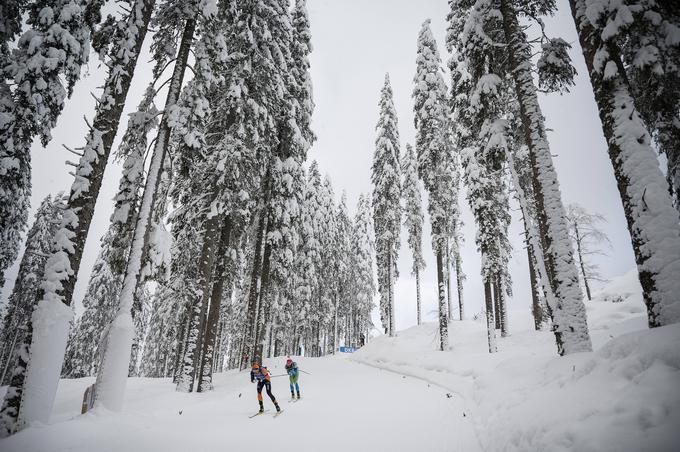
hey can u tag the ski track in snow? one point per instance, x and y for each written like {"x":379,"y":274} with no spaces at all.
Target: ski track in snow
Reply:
{"x":345,"y":406}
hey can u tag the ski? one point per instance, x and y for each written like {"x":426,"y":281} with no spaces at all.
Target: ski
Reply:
{"x":278,"y":413}
{"x":257,"y":414}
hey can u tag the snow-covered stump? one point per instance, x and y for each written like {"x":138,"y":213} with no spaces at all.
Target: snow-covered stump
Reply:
{"x":653,"y":222}
{"x":50,"y":322}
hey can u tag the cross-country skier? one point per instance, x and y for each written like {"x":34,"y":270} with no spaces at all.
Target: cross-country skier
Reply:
{"x":261,"y":374}
{"x":293,"y":375}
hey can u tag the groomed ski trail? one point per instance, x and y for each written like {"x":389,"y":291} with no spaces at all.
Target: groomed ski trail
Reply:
{"x":347,"y":406}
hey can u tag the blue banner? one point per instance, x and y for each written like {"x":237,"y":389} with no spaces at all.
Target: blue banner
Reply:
{"x":348,"y":349}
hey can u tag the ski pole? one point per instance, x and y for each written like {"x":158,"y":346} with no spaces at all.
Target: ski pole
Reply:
{"x":274,"y":376}
{"x":305,"y":372}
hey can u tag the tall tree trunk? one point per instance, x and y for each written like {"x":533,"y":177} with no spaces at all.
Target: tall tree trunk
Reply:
{"x":496,"y":302}
{"x":200,"y":301}
{"x":580,"y":261}
{"x":388,"y":308}
{"x":441,"y":284}
{"x":503,"y":307}
{"x":460,"y":277}
{"x":448,"y":283}
{"x":111,"y":379}
{"x":490,"y":329}
{"x":48,"y":347}
{"x":264,"y":305}
{"x":536,"y":308}
{"x":418,"y":293}
{"x":208,"y":353}
{"x":179,"y":350}
{"x":652,"y":221}
{"x":569,"y":315}
{"x":335,"y":326}
{"x":254,"y":298}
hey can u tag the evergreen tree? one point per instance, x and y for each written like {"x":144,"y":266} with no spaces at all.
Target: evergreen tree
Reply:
{"x":173,"y":17}
{"x":479,"y":32}
{"x":363,"y":245}
{"x":652,"y":222}
{"x":43,"y":68}
{"x":386,"y":204}
{"x":413,"y":217}
{"x":17,"y":325}
{"x":435,"y":158}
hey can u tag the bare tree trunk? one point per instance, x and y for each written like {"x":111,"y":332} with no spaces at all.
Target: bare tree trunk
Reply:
{"x":448,"y":283}
{"x":490,"y":330}
{"x":580,"y":261}
{"x":199,"y":304}
{"x":503,"y":308}
{"x":460,"y":277}
{"x":253,"y":294}
{"x":418,"y":294}
{"x":390,"y":329}
{"x":208,"y":354}
{"x":496,"y":302}
{"x":441,"y":283}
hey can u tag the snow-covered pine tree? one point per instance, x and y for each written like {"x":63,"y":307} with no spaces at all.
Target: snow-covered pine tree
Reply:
{"x":569,"y":316}
{"x":101,"y":298}
{"x":43,"y":68}
{"x":178,"y":18}
{"x":386,"y":203}
{"x":308,"y":258}
{"x":652,"y":221}
{"x":328,"y":236}
{"x":64,"y":261}
{"x":343,"y":267}
{"x":363,"y":252}
{"x":413,"y":217}
{"x":17,"y":324}
{"x":435,"y":157}
{"x":587,"y":236}
{"x":14,"y":177}
{"x":650,"y":53}
{"x":519,"y":167}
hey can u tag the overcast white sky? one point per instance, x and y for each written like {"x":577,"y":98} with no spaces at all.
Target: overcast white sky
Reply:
{"x":355,"y":43}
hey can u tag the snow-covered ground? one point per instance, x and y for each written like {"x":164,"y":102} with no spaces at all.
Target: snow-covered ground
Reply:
{"x":624,"y":396}
{"x":345,"y":406}
{"x":400,"y":394}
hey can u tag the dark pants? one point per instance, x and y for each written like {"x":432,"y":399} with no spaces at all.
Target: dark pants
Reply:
{"x":268,"y":385}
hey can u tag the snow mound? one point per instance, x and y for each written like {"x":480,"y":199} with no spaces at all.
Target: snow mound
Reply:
{"x":621,"y":397}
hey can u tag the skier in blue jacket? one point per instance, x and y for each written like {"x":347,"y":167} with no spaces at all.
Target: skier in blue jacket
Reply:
{"x":293,"y":375}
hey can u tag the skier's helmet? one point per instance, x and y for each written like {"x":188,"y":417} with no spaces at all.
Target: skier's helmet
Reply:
{"x":289,"y":362}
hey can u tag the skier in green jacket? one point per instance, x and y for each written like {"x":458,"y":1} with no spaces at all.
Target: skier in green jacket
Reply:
{"x":293,"y":376}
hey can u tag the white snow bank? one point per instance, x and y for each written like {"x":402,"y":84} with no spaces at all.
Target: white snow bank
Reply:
{"x":622,"y":397}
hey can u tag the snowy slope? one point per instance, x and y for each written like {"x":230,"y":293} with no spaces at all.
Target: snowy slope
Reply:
{"x":345,"y":406}
{"x":624,"y":396}
{"x":401,"y":394}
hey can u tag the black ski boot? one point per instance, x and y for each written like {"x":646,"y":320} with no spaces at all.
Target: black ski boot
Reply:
{"x":261,"y":407}
{"x":292,"y":395}
{"x":298,"y":396}
{"x":278,"y":408}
